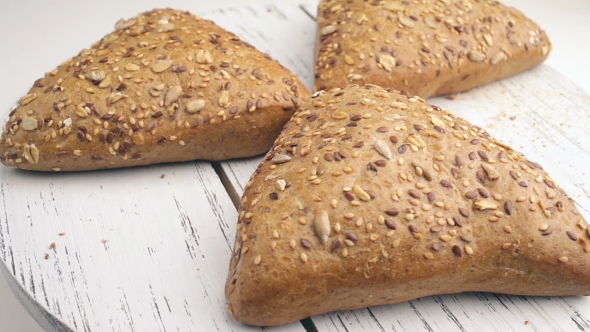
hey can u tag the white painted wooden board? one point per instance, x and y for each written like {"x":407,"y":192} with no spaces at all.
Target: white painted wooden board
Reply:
{"x":164,"y":265}
{"x":551,"y":117}
{"x":143,"y":249}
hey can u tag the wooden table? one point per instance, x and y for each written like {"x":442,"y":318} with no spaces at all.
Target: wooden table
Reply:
{"x":147,"y":249}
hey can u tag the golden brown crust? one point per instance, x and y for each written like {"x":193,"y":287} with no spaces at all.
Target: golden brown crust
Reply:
{"x":165,"y":86}
{"x":428,"y":49}
{"x":384,"y":198}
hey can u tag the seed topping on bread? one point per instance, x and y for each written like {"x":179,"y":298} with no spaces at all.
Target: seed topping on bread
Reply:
{"x":424,"y":47}
{"x":153,"y":81}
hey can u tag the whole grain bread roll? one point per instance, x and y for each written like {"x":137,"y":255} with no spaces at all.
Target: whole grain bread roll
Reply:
{"x":165,"y":86}
{"x":427,"y":48}
{"x":371,"y":197}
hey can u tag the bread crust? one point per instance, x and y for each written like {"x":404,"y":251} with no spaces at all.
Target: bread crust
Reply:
{"x":165,"y":86}
{"x":372,"y":197}
{"x":428,"y":49}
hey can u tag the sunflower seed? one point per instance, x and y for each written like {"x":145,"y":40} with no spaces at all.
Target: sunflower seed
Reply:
{"x":106,"y":82}
{"x":406,"y":21}
{"x":114,"y":97}
{"x":224,"y":99}
{"x":498,"y":57}
{"x":416,"y":140}
{"x":131,"y":67}
{"x":204,"y":56}
{"x":475,"y":56}
{"x":280,"y":159}
{"x":328,"y":30}
{"x":382,"y":148}
{"x":488,"y":39}
{"x":25,"y":100}
{"x":28,"y":123}
{"x":173,"y":94}
{"x":34,"y":153}
{"x":360,"y":193}
{"x":491,"y":172}
{"x":195,"y":106}
{"x":160,"y":66}
{"x":321,"y":224}
{"x":485,"y":205}
{"x":387,"y":61}
{"x":95,"y":76}
{"x":122,"y":24}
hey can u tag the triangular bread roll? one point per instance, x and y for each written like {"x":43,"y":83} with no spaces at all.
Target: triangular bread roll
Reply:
{"x":165,"y":86}
{"x":371,"y":197}
{"x":429,"y":48}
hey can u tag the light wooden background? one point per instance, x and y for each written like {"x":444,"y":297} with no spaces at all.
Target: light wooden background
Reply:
{"x":149,"y":254}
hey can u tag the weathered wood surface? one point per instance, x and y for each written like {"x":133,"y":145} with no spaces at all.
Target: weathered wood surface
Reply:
{"x":169,"y":239}
{"x":143,"y":249}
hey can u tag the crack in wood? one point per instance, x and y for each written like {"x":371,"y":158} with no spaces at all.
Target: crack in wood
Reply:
{"x":227,"y":184}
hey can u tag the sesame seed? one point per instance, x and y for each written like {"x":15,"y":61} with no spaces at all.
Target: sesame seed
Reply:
{"x":445,"y":237}
{"x":344,"y":252}
{"x":349,"y":243}
{"x":303,"y":257}
{"x":257,"y":260}
{"x":428,"y":255}
{"x":563,"y":259}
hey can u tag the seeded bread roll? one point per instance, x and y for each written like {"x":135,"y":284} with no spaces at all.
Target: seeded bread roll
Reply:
{"x":371,"y":197}
{"x":428,"y":48}
{"x":165,"y":86}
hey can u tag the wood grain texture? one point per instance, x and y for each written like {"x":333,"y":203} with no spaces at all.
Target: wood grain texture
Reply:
{"x":143,"y":249}
{"x":169,"y":239}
